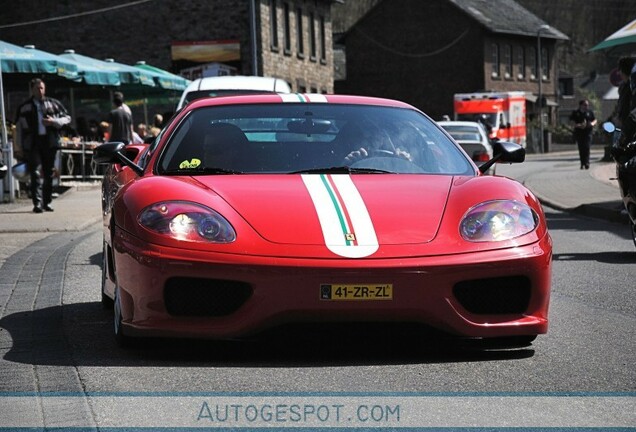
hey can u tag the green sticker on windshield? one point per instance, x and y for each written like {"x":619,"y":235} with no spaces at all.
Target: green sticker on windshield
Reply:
{"x":194,"y":163}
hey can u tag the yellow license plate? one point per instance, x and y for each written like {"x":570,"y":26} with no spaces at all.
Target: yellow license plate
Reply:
{"x":356,"y":292}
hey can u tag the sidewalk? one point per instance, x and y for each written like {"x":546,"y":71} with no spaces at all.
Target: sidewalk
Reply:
{"x":566,"y":187}
{"x":75,"y":209}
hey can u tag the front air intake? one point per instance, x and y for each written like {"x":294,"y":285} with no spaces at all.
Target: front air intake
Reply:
{"x":196,"y":297}
{"x":494,"y":296}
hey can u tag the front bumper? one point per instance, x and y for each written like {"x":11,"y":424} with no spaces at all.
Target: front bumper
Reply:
{"x":284,"y":291}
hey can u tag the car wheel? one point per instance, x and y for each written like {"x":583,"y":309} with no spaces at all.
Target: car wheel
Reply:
{"x":107,"y":302}
{"x":121,"y":339}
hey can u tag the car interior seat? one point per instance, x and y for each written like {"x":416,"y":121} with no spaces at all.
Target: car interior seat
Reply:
{"x":225,"y":146}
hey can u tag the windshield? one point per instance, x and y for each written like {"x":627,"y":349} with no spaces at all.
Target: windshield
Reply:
{"x":310,"y":137}
{"x":463,"y":133}
{"x":487,"y":119}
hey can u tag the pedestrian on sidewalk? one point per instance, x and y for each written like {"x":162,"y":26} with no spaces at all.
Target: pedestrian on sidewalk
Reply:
{"x":584,"y":122}
{"x":120,"y":120}
{"x":39,"y":121}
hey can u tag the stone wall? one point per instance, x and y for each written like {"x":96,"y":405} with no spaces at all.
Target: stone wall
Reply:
{"x":146,"y":31}
{"x":302,"y":70}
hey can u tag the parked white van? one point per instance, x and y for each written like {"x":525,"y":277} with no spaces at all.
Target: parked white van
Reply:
{"x":231,"y":85}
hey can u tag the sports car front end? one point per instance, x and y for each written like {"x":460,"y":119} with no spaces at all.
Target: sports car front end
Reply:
{"x":208,"y":245}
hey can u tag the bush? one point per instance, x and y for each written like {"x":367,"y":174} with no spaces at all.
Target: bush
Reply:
{"x":561,"y":134}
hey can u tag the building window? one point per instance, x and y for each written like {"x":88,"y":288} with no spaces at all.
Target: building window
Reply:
{"x":521,"y":64}
{"x":312,"y":36}
{"x":507,"y":61}
{"x":566,"y":87}
{"x":287,"y":28}
{"x":323,"y":41}
{"x":300,"y":41}
{"x":545,"y":64}
{"x":301,"y":85}
{"x":495,"y":60}
{"x":273,"y":19}
{"x":532,"y":61}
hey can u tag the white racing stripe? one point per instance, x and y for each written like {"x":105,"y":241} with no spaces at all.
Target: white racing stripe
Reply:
{"x":303,"y":97}
{"x":346,"y":225}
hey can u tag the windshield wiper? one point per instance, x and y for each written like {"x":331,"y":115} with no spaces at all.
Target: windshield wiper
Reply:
{"x":341,"y":170}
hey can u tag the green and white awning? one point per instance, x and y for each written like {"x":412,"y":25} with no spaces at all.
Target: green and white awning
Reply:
{"x":624,"y":38}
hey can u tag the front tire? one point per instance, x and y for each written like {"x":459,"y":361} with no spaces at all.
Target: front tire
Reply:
{"x":107,"y":302}
{"x":121,"y":339}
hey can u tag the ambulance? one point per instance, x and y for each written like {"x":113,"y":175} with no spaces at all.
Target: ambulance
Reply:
{"x":502,"y":113}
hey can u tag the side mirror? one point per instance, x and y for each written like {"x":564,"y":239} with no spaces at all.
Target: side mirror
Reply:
{"x":113,"y":152}
{"x":505,"y":151}
{"x":107,"y":153}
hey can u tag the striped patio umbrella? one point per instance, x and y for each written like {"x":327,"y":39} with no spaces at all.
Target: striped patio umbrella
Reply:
{"x":165,"y":79}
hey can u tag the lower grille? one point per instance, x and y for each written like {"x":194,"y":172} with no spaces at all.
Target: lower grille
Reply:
{"x":204,"y":297}
{"x":502,"y":295}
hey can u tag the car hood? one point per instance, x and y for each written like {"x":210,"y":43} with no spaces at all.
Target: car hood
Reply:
{"x":347,"y":210}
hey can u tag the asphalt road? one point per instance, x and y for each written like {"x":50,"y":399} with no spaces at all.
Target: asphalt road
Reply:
{"x":59,"y":342}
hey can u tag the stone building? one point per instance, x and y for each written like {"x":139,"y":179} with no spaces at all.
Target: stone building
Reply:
{"x":443,"y":47}
{"x":580,"y":72}
{"x":288,"y":39}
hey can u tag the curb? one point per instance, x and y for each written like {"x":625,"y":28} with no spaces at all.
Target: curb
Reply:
{"x":609,"y":212}
{"x":604,"y":172}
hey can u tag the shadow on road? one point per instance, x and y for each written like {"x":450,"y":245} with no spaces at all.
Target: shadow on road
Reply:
{"x":572,"y":222}
{"x":603,"y":257}
{"x":82,"y":335}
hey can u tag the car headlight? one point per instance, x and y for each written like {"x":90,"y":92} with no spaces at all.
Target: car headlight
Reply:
{"x":497,"y":221}
{"x":187,"y":221}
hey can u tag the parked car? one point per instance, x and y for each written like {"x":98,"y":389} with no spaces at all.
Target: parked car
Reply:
{"x":231,"y":85}
{"x":249,"y":213}
{"x":473,"y":138}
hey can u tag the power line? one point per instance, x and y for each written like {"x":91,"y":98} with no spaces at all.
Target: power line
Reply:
{"x":60,"y":18}
{"x":407,"y":54}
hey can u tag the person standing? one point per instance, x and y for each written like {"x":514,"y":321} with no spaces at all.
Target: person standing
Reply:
{"x":120,"y":120}
{"x":157,"y":121}
{"x":39,"y":121}
{"x":623,"y":105}
{"x":623,"y":153}
{"x":584,"y":122}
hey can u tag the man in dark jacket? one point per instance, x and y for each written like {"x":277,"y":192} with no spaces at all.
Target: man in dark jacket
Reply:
{"x":623,"y":105}
{"x":626,"y":112}
{"x":584,"y":122}
{"x":39,"y":121}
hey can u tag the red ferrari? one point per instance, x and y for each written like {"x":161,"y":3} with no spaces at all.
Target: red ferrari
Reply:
{"x":252,"y":212}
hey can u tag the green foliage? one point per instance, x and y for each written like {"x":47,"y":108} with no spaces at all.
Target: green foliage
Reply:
{"x":561,"y":133}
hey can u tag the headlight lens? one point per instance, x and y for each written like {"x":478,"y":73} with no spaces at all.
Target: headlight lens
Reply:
{"x":187,"y":221}
{"x":497,"y":221}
